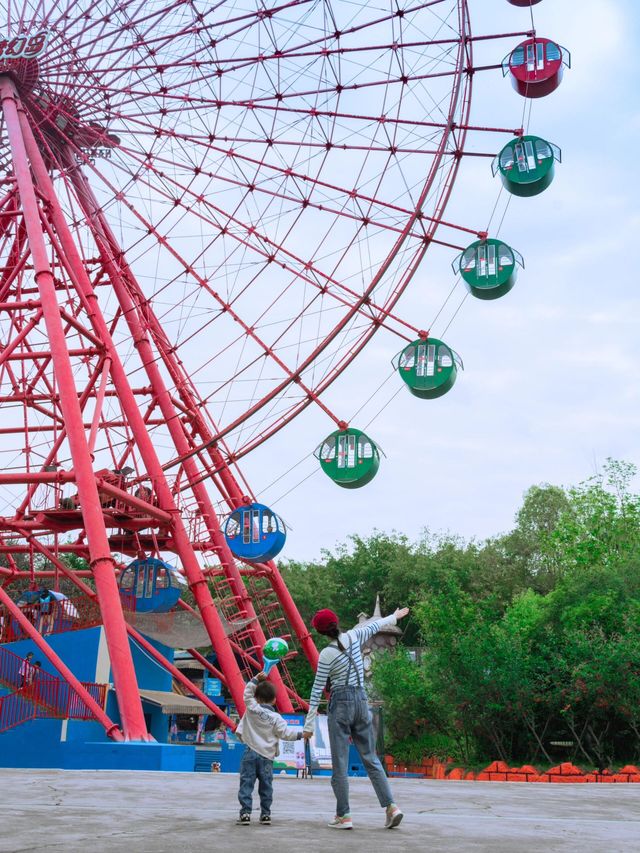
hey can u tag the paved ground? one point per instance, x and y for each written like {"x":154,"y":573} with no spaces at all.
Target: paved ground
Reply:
{"x":128,"y":812}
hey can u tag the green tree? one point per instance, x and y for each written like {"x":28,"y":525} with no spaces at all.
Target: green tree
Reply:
{"x":525,"y":639}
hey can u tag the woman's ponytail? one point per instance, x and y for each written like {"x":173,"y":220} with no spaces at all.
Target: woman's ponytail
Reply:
{"x":333,"y":631}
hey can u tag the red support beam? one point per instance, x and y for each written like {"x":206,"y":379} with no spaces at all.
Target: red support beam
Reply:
{"x":122,"y":285}
{"x":181,"y":677}
{"x":102,"y":564}
{"x":75,"y":269}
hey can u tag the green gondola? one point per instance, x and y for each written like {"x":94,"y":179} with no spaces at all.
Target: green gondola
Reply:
{"x":526,"y":165}
{"x":429,"y":367}
{"x":349,"y":457}
{"x":489,"y":268}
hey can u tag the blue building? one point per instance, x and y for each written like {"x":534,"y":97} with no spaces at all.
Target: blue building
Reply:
{"x":37,"y":735}
{"x":43,"y":721}
{"x":45,"y":724}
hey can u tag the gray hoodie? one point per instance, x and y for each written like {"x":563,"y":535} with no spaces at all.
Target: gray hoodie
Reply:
{"x":262,"y":727}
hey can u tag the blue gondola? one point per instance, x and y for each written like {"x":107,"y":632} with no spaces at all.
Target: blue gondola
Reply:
{"x":150,"y":586}
{"x":255,"y":533}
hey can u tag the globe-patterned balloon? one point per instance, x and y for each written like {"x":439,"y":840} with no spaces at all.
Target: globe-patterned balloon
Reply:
{"x":275,"y":649}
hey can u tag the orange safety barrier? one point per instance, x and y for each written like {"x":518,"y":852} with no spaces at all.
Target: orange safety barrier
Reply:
{"x":499,"y":771}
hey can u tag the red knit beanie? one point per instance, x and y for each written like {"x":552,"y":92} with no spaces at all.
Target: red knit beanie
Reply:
{"x":323,"y":620}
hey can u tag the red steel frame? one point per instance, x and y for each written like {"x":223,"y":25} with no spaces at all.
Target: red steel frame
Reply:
{"x":43,"y":237}
{"x":102,"y":563}
{"x":31,"y":178}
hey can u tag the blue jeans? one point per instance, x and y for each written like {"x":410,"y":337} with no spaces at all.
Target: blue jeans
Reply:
{"x":350,"y":717}
{"x":252,"y":767}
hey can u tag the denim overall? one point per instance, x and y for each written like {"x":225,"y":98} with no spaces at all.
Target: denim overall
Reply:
{"x":349,"y":717}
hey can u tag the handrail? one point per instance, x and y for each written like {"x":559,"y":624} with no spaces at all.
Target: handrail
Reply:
{"x":14,"y":710}
{"x":51,"y":617}
{"x":51,"y":697}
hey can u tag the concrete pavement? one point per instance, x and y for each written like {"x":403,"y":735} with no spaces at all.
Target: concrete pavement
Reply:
{"x":130,"y":812}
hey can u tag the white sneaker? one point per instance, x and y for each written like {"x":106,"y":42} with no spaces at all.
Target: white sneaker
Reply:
{"x":344,"y":822}
{"x":394,"y":816}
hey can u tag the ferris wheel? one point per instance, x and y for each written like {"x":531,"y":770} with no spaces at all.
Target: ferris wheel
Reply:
{"x":208,"y":211}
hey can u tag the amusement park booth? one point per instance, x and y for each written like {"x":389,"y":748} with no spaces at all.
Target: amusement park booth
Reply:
{"x":44,"y":723}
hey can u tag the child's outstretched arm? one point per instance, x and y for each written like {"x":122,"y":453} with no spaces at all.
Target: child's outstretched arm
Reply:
{"x":285,"y":732}
{"x":250,"y":694}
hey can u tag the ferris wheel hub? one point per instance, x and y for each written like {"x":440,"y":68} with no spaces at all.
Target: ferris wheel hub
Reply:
{"x":63,"y":97}
{"x":23,"y":72}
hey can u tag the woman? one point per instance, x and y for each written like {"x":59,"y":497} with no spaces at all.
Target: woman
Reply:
{"x":349,"y":714}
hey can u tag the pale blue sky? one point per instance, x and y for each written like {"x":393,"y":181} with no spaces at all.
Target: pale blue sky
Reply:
{"x":550,"y":387}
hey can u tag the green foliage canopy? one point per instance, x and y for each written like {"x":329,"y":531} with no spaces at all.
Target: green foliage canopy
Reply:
{"x":524,"y":641}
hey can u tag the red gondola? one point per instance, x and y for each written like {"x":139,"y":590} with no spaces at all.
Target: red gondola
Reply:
{"x":536,"y":66}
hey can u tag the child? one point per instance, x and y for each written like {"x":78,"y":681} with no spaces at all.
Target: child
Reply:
{"x":26,"y":670}
{"x":260,"y":729}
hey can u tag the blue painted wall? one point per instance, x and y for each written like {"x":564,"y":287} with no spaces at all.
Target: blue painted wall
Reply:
{"x":157,"y":722}
{"x":151,"y":676}
{"x":38,"y":743}
{"x":78,"y":650}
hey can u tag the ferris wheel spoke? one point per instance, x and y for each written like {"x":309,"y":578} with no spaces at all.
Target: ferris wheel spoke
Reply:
{"x":153,"y":69}
{"x":153,"y":44}
{"x":223,"y":216}
{"x":326,"y":209}
{"x":291,"y":375}
{"x":274,"y":99}
{"x":88,"y":39}
{"x":294,"y":410}
{"x":239,"y":63}
{"x":278,"y":171}
{"x":216,"y":143}
{"x":416,"y":124}
{"x":350,"y":194}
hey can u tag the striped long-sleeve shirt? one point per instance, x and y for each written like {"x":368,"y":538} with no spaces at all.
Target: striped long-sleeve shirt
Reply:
{"x":334,"y":664}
